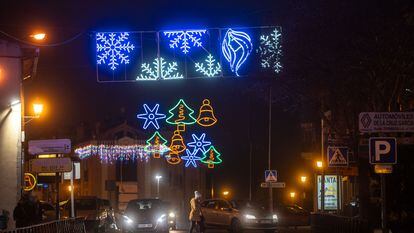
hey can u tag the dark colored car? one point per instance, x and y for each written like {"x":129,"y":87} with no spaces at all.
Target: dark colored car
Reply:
{"x":292,"y":215}
{"x":237,"y":216}
{"x":148,"y":215}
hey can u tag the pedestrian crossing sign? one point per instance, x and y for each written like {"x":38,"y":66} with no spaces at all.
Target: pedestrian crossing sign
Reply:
{"x":337,"y":156}
{"x":271,"y":176}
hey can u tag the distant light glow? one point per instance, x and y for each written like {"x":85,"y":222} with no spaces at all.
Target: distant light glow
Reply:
{"x":39,"y":36}
{"x":185,"y":39}
{"x":37,"y":109}
{"x":151,"y":116}
{"x":113,"y":48}
{"x":236,"y":47}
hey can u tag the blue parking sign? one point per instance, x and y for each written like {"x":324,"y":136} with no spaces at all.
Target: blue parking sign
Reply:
{"x":383,"y":150}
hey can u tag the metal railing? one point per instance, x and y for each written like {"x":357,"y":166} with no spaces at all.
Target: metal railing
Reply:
{"x":70,"y":225}
{"x":329,"y":223}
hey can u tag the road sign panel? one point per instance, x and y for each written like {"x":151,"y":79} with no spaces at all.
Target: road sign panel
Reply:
{"x":337,"y":156}
{"x":383,"y":169}
{"x":271,"y":176}
{"x":273,"y":185}
{"x":53,"y":146}
{"x":50,"y":165}
{"x":383,"y":150}
{"x":386,"y":122}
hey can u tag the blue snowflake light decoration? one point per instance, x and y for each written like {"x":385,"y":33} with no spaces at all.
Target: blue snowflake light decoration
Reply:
{"x":270,"y":51}
{"x":160,"y":70}
{"x":236,"y":47}
{"x":190,"y":158}
{"x":199,"y":143}
{"x":210,"y":69}
{"x":185,"y":39}
{"x":112,"y":48}
{"x":151,"y":116}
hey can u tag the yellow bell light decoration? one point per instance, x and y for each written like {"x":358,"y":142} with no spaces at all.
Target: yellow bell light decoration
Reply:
{"x":177,"y":143}
{"x":206,"y":116}
{"x":156,"y":145}
{"x":29,"y":182}
{"x":173,"y":158}
{"x":211,"y":157}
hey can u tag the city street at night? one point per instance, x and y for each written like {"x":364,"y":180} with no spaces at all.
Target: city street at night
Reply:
{"x":287,"y":116}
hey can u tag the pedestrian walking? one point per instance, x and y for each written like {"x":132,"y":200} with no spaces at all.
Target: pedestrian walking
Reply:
{"x":196,"y":216}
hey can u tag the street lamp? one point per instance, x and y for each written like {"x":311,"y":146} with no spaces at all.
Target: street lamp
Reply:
{"x":292,"y":196}
{"x":226,"y":193}
{"x":158,"y":178}
{"x":37,"y":110}
{"x":303,"y":179}
{"x":38,"y":36}
{"x":319,"y":164}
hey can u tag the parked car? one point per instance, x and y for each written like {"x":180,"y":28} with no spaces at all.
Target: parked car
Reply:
{"x":292,"y":215}
{"x":237,"y":216}
{"x":148,"y":215}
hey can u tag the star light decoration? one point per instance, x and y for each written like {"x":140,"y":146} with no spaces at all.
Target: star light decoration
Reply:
{"x":160,"y":70}
{"x":113,"y":48}
{"x":199,"y":143}
{"x":185,"y":39}
{"x":190,"y":158}
{"x":151,"y":116}
{"x":211,"y":68}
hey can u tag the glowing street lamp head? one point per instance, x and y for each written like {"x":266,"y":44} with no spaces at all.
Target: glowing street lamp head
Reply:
{"x":303,"y":179}
{"x":292,"y":195}
{"x":158,"y":177}
{"x":39,"y":36}
{"x":37,"y":109}
{"x":226,"y":193}
{"x":319,"y":164}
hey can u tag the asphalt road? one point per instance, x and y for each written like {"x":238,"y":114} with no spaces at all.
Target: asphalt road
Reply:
{"x":282,"y":230}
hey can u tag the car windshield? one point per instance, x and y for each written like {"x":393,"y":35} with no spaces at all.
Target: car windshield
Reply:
{"x":85,"y":204}
{"x":142,"y":205}
{"x":243,"y":204}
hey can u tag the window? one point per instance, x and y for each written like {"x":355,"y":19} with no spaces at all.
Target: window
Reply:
{"x":209,"y":204}
{"x":223,"y":204}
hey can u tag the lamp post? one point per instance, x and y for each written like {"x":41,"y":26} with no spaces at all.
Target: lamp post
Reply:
{"x":303,"y":180}
{"x":158,"y":178}
{"x":320,"y":166}
{"x":292,"y":197}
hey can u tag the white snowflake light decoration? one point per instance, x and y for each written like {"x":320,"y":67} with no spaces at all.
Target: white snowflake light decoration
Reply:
{"x":210,"y":69}
{"x":113,"y":48}
{"x":270,"y":51}
{"x":185,"y":39}
{"x":160,"y":70}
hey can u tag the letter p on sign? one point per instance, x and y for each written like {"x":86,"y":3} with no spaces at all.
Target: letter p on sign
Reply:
{"x":383,"y":150}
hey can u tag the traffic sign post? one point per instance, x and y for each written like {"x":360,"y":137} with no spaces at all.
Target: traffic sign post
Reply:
{"x":337,"y":156}
{"x":271,"y":176}
{"x":273,"y":185}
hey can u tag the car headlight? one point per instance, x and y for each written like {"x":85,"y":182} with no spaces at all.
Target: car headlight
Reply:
{"x":161,"y":218}
{"x":249,"y":216}
{"x":274,"y":217}
{"x":172,"y":215}
{"x":128,"y":220}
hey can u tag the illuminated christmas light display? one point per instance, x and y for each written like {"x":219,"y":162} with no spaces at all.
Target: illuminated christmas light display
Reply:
{"x":177,"y":143}
{"x":156,"y":145}
{"x":211,"y":157}
{"x":185,"y":39}
{"x":111,"y":153}
{"x":151,"y":116}
{"x":181,"y":114}
{"x":206,"y":116}
{"x":113,"y":48}
{"x":160,"y":70}
{"x":270,"y":51}
{"x":236,"y":47}
{"x":190,"y":158}
{"x":173,"y":158}
{"x":210,"y":69}
{"x":199,"y":143}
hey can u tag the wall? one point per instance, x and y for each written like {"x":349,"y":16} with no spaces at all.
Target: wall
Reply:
{"x":10,"y":127}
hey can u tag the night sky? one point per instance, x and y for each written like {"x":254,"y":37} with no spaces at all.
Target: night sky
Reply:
{"x":66,"y":78}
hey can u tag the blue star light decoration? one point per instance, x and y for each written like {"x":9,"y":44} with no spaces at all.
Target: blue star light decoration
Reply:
{"x":160,"y":70}
{"x":190,"y":158}
{"x":270,"y":51}
{"x":185,"y":39}
{"x":236,"y":47}
{"x":151,"y":116}
{"x":112,"y":48}
{"x":199,"y":143}
{"x":210,"y":69}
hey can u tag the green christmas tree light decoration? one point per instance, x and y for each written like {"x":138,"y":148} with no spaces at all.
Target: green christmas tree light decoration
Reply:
{"x":156,"y":144}
{"x":211,"y":157}
{"x":181,"y":114}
